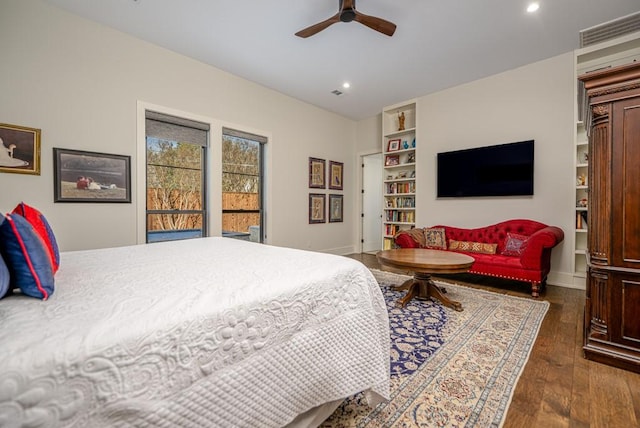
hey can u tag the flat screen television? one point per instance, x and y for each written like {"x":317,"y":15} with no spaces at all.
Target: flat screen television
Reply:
{"x":500,"y":170}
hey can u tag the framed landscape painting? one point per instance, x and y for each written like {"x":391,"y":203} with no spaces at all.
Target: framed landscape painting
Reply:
{"x":19,"y":149}
{"x":81,"y":176}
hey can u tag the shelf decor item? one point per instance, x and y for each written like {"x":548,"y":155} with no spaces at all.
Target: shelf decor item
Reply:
{"x":335,"y":175}
{"x":19,"y":149}
{"x":401,"y":121}
{"x":335,"y":208}
{"x":316,"y":173}
{"x":81,"y":176}
{"x":317,"y":208}
{"x":393,"y":145}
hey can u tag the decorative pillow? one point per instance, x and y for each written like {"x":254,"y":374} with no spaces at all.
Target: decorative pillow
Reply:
{"x":473,"y":247}
{"x":435,"y":238}
{"x":26,"y":256}
{"x":514,"y":244}
{"x":4,"y":278}
{"x":42,"y":228}
{"x":404,"y":240}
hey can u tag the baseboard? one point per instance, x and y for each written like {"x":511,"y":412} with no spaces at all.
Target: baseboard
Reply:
{"x":341,"y":251}
{"x":566,"y":279}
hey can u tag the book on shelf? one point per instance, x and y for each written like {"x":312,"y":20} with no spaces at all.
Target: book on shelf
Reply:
{"x":400,"y":202}
{"x":405,"y":187}
{"x":387,"y":243}
{"x":581,"y":219}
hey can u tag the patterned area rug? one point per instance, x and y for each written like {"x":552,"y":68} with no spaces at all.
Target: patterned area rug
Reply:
{"x":448,"y":368}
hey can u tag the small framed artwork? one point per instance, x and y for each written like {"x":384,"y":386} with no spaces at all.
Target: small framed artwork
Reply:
{"x":316,"y":173}
{"x":393,"y":145}
{"x":391,"y":160}
{"x":317,"y":203}
{"x":335,"y":208}
{"x":81,"y":176}
{"x":335,"y":175}
{"x":19,"y":149}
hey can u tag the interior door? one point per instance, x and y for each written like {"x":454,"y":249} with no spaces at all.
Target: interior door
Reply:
{"x":371,"y":202}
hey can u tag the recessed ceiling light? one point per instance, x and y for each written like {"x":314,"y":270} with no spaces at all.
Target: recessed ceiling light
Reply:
{"x":533,"y":7}
{"x":346,"y":85}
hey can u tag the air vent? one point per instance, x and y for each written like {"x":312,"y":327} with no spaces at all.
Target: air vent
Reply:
{"x":336,"y":92}
{"x":610,"y":30}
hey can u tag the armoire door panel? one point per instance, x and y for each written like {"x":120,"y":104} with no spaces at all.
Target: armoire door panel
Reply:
{"x":626,"y":183}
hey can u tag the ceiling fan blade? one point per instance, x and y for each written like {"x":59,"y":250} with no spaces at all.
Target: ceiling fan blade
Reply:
{"x":378,"y":24}
{"x":316,"y":28}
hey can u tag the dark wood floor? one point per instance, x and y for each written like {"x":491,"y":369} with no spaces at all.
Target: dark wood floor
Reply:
{"x":558,"y":387}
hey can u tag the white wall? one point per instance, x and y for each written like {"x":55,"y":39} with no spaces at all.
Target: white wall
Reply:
{"x":530,"y":102}
{"x":79,"y":82}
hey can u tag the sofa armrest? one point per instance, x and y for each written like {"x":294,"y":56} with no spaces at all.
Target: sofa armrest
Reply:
{"x":538,"y":242}
{"x":405,"y":240}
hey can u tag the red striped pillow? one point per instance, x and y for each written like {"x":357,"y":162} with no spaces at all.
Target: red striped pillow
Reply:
{"x":42,"y":228}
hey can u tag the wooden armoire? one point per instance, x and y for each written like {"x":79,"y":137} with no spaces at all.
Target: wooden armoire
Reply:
{"x":612,"y":311}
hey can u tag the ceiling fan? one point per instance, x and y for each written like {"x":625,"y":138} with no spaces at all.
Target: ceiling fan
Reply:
{"x":347,"y":12}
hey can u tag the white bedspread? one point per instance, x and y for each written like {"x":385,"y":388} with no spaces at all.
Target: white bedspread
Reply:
{"x":206,"y":332}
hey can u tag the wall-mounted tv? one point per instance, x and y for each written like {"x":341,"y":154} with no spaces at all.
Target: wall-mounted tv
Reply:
{"x":500,"y":170}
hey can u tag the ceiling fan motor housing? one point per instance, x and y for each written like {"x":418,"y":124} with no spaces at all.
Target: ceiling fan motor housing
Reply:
{"x":347,"y":15}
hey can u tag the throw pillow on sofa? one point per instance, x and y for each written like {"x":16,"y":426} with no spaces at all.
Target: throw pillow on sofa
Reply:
{"x":473,"y":247}
{"x":435,"y":238}
{"x":515,"y":244}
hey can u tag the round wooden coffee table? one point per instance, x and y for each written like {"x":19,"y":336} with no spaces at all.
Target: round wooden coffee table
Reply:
{"x":423,"y":263}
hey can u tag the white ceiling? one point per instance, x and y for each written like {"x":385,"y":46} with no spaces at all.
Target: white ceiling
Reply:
{"x":438,"y":43}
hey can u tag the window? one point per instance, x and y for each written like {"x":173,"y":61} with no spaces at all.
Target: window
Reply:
{"x":176,"y":151}
{"x":242,"y":185}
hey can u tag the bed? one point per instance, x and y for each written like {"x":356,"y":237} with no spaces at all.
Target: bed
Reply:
{"x":197,"y":333}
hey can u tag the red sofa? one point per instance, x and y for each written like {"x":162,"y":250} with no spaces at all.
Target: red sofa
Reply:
{"x":532,"y":265}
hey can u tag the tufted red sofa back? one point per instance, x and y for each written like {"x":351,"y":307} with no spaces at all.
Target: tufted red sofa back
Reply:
{"x":494,"y":234}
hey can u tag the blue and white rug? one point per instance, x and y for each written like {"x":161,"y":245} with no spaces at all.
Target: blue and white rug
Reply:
{"x":448,"y":368}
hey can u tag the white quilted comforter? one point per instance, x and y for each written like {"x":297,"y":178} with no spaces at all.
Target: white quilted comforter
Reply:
{"x":207,"y":332}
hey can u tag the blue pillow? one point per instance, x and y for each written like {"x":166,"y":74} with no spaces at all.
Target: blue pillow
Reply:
{"x":26,"y":256}
{"x":4,"y":278}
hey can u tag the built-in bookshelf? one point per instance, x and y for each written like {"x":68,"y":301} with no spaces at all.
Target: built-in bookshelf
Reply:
{"x":399,"y":176}
{"x":581,"y":196}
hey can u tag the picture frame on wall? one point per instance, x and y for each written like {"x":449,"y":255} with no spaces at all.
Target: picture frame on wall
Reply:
{"x":335,"y":208}
{"x":393,"y":145}
{"x":335,"y":175}
{"x":316,"y":173}
{"x":317,"y":202}
{"x":81,"y":176}
{"x":19,"y":149}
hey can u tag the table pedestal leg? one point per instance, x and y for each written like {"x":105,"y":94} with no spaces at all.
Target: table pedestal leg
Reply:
{"x":422,"y":286}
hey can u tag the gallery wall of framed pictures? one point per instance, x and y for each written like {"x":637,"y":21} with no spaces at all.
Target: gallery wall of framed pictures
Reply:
{"x":319,"y":210}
